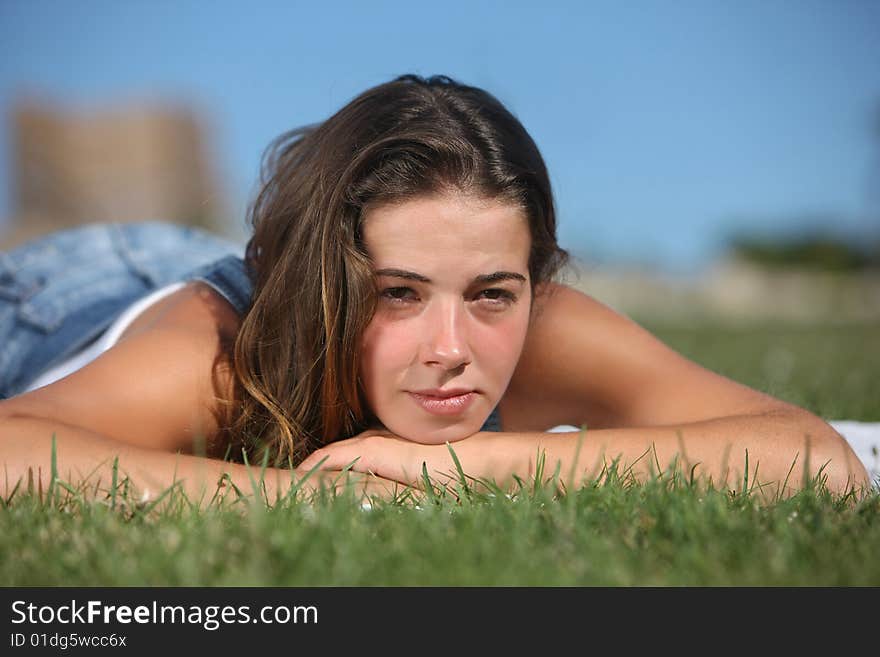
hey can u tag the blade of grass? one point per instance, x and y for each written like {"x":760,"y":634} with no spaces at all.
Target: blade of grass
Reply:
{"x":540,"y":459}
{"x":582,"y":435}
{"x":254,"y":486}
{"x":50,"y":493}
{"x":429,"y":485}
{"x":264,"y":493}
{"x":805,"y":479}
{"x":224,"y":482}
{"x":461,"y":475}
{"x":297,"y":485}
{"x":7,"y":501}
{"x":555,"y":479}
{"x":113,"y":481}
{"x":152,"y":505}
{"x":70,"y":489}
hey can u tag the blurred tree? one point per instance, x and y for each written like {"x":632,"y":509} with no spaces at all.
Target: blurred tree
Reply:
{"x":815,"y":251}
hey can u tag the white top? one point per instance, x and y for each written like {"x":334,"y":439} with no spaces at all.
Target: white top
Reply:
{"x":106,"y":340}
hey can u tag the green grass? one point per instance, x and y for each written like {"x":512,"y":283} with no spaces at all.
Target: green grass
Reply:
{"x":663,"y":532}
{"x":834,"y":370}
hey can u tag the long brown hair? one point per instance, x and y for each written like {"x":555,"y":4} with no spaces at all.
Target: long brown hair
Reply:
{"x":296,"y":356}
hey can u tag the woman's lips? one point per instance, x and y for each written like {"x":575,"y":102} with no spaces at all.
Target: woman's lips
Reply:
{"x":440,"y":403}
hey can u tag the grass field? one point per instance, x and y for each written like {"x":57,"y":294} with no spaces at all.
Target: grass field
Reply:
{"x":663,"y":532}
{"x":834,"y":371}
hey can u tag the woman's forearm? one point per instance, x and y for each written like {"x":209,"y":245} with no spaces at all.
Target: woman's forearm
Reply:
{"x":85,"y":460}
{"x":779,"y":446}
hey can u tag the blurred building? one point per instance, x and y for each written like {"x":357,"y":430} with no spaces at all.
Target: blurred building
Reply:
{"x":124,"y":164}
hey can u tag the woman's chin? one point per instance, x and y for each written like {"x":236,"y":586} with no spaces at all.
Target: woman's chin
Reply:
{"x":427,"y":435}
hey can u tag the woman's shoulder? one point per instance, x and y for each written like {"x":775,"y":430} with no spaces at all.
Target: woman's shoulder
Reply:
{"x":583,"y":363}
{"x":567,"y":328}
{"x":559,"y":307}
{"x":162,"y":385}
{"x":586,"y":364}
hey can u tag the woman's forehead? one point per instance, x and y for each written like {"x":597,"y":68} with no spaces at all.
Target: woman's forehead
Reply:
{"x":447,"y":230}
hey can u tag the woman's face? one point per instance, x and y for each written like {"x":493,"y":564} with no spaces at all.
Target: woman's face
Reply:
{"x":452,"y":314}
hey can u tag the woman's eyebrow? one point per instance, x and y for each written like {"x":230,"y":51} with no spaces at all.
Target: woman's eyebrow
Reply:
{"x":482,"y":279}
{"x":500,"y":276}
{"x":403,"y":273}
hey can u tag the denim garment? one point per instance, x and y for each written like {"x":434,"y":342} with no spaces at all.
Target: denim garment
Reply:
{"x":493,"y":422}
{"x":59,"y":292}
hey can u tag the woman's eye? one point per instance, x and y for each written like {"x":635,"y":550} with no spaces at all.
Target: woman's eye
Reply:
{"x":497,"y":296}
{"x":399,"y":294}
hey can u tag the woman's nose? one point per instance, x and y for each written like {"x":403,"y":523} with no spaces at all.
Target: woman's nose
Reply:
{"x":447,"y":345}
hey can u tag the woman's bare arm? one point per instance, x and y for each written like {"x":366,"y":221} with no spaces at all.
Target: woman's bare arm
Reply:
{"x":148,"y":398}
{"x":754,"y":452}
{"x":586,"y":365}
{"x":157,"y":387}
{"x":774,"y":453}
{"x":85,"y":461}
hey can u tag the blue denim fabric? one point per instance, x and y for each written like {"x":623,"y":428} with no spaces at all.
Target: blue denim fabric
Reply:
{"x":61,"y":291}
{"x":493,"y":422}
{"x":230,"y":277}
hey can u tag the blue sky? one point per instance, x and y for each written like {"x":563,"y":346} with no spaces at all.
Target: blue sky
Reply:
{"x":665,"y":125}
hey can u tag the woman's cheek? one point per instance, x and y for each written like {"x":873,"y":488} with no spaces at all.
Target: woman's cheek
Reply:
{"x":383,"y":356}
{"x":505,"y":344}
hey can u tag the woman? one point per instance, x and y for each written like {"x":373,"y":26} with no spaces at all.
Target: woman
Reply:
{"x":397,"y":294}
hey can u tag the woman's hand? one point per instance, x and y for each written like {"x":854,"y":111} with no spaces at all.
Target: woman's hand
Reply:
{"x":366,"y":485}
{"x":484,"y":455}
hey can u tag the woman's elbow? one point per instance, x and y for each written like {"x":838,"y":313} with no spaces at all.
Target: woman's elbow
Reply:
{"x":834,"y":462}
